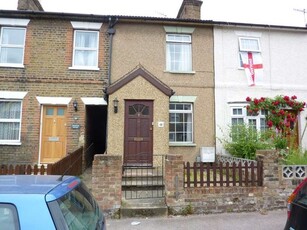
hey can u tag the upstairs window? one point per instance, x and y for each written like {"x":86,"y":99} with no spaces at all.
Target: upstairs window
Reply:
{"x":86,"y":49}
{"x":181,"y":122}
{"x":178,"y":53}
{"x":12,"y":43}
{"x":10,"y":121}
{"x":248,"y":45}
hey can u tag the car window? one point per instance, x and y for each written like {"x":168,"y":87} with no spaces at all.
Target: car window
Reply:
{"x":8,"y":217}
{"x":80,"y":210}
{"x":302,"y":195}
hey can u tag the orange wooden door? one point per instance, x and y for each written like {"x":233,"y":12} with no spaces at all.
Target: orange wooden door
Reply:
{"x":53,"y":145}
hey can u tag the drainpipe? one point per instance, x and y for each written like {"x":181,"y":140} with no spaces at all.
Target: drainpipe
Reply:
{"x":111,"y":32}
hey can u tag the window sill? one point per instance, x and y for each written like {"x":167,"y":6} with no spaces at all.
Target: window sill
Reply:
{"x":12,"y":65}
{"x":10,"y":143}
{"x":173,"y":144}
{"x":179,"y":72}
{"x":84,"y":68}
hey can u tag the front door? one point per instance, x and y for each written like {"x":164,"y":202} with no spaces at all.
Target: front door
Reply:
{"x":138,"y":149}
{"x":53,"y":144}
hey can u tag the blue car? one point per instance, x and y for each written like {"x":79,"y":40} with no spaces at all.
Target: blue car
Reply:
{"x":47,"y":202}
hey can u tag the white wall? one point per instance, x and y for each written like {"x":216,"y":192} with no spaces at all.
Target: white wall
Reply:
{"x":284,"y":55}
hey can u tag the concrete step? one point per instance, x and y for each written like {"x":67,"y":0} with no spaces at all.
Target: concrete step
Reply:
{"x":143,"y":208}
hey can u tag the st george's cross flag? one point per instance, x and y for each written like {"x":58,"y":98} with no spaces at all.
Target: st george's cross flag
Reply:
{"x":252,"y":64}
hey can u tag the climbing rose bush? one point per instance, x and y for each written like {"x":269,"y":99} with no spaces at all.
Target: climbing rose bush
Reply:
{"x":282,"y":111}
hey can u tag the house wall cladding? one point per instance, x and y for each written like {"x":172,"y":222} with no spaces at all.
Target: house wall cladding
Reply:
{"x":46,"y":73}
{"x":145,"y":44}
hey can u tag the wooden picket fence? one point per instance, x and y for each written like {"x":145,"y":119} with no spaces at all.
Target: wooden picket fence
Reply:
{"x":69,"y":165}
{"x":223,"y":174}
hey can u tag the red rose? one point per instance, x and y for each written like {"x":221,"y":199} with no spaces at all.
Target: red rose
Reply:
{"x":286,"y":98}
{"x":293,"y":97}
{"x":248,"y":99}
{"x":270,"y":124}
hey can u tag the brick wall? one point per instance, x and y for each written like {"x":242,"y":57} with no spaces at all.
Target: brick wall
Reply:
{"x":107,"y":182}
{"x":46,"y":73}
{"x":29,"y":5}
{"x":272,"y":195}
{"x":190,"y":9}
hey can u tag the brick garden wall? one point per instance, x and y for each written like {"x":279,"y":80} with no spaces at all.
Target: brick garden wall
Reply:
{"x":202,"y":200}
{"x":272,"y":195}
{"x":107,"y":182}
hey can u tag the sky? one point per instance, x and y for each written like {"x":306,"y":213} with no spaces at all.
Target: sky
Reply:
{"x":271,"y":12}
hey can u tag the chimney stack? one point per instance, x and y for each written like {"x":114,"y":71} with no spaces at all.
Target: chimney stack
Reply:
{"x":29,"y":5}
{"x":190,"y":9}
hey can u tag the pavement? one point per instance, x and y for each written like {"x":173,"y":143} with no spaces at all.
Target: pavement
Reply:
{"x":272,"y":220}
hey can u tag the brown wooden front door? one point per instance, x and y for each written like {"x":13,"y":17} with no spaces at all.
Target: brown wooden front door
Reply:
{"x":138,"y":149}
{"x":53,"y":145}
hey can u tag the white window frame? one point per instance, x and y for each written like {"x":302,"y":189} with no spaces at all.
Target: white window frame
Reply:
{"x":174,"y":112}
{"x":243,"y":49}
{"x":87,"y":67}
{"x":12,"y":46}
{"x":246,"y":118}
{"x":169,"y":60}
{"x":12,"y":120}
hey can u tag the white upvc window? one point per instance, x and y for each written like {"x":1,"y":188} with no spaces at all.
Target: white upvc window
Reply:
{"x":12,"y":45}
{"x":10,"y":121}
{"x":85,"y":54}
{"x":239,"y":116}
{"x":181,"y":123}
{"x":248,"y":45}
{"x":179,"y":52}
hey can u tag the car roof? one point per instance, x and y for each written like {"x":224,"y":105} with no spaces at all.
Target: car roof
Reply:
{"x":32,"y":184}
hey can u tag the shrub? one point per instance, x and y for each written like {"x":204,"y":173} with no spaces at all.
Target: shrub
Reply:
{"x":244,"y":141}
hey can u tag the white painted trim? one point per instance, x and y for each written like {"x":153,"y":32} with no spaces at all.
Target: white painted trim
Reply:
{"x":183,"y":99}
{"x":84,"y":68}
{"x":12,"y":94}
{"x":248,"y":34}
{"x":40,"y":135}
{"x":179,"y":29}
{"x":93,"y":101}
{"x":14,"y":22}
{"x":86,"y":25}
{"x":54,"y":100}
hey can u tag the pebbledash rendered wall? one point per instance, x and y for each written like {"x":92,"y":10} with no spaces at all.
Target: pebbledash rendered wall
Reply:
{"x":272,"y":195}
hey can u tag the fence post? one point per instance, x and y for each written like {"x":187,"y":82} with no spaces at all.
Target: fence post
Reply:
{"x":174,"y":179}
{"x":107,"y":182}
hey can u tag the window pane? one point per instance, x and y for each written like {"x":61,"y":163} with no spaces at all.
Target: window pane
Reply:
{"x":237,"y":121}
{"x":249,"y":44}
{"x":11,"y":55}
{"x":10,"y":110}
{"x":49,"y":111}
{"x":237,"y":111}
{"x":13,"y":36}
{"x":8,"y":217}
{"x":86,"y":39}
{"x":85,"y":58}
{"x":9,"y":130}
{"x":61,"y":111}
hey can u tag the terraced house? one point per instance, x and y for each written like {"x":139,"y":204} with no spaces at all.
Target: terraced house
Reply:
{"x":130,"y":86}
